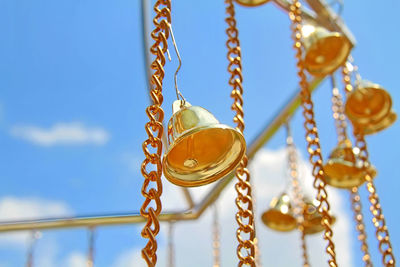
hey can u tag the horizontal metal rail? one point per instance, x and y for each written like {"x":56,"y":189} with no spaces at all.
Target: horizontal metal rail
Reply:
{"x":190,"y":214}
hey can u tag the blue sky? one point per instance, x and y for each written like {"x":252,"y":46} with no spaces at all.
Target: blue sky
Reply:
{"x":75,"y":68}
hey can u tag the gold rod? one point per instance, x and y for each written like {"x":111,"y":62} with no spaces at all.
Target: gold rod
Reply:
{"x":191,"y":214}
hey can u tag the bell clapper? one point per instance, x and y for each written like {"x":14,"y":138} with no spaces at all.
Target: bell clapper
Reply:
{"x":191,"y":161}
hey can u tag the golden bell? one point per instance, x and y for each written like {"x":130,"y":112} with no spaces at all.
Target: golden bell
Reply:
{"x":325,"y":51}
{"x":251,"y":2}
{"x":279,"y":216}
{"x":313,"y":219}
{"x":369,"y":108}
{"x":342,"y":170}
{"x":201,"y":150}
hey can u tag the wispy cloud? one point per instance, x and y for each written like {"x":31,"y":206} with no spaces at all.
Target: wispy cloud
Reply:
{"x":73,"y":133}
{"x":268,"y":172}
{"x":13,"y":208}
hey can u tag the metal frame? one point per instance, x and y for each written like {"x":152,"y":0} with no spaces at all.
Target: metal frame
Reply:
{"x":322,"y":14}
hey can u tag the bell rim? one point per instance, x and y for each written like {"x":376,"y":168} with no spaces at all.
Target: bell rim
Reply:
{"x":247,"y":3}
{"x":357,"y":179}
{"x":212,"y":178}
{"x":270,"y":225}
{"x":323,"y":71}
{"x":382,"y":125}
{"x":361,"y":119}
{"x":315,"y":228}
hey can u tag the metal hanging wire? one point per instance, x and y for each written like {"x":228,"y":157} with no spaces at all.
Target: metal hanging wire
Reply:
{"x":216,"y":236}
{"x":179,"y":95}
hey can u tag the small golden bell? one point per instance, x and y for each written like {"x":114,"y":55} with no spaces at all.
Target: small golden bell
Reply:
{"x":201,"y":150}
{"x":342,"y":170}
{"x":251,"y":2}
{"x":369,"y":108}
{"x":325,"y":51}
{"x":313,"y":219}
{"x":279,"y":216}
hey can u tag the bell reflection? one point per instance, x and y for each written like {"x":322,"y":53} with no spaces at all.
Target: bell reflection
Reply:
{"x":201,"y":150}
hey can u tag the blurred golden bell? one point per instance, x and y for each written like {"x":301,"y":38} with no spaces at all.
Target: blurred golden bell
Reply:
{"x":279,"y":216}
{"x":201,"y":150}
{"x":313,"y":219}
{"x":369,"y":108}
{"x":342,"y":170}
{"x":252,"y":2}
{"x":325,"y":51}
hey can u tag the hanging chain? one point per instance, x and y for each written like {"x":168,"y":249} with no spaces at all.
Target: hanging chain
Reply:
{"x":245,"y":216}
{"x":171,"y":245}
{"x":90,"y":254}
{"x":35,"y":235}
{"x":216,"y":236}
{"x":360,"y":226}
{"x":341,"y":129}
{"x":382,"y":232}
{"x":313,"y":147}
{"x":338,"y":112}
{"x":298,"y":202}
{"x":152,"y":147}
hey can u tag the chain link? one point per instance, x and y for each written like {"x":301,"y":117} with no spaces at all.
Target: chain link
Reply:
{"x":360,"y":226}
{"x":298,"y":203}
{"x":245,"y":216}
{"x":216,"y":236}
{"x":338,"y":113}
{"x":382,"y":232}
{"x":312,"y":138}
{"x":151,"y":167}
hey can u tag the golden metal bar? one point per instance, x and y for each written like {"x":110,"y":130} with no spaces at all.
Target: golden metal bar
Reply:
{"x":191,"y":214}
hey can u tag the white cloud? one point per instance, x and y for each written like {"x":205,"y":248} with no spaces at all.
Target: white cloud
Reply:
{"x":76,"y":259}
{"x":193,"y":238}
{"x":12,"y":208}
{"x":61,"y":134}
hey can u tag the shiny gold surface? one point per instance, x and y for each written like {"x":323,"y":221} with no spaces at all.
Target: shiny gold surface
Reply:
{"x":280,"y":216}
{"x":251,"y":2}
{"x":325,"y":51}
{"x":201,"y":150}
{"x":313,"y":219}
{"x":369,"y":108}
{"x":341,"y":169}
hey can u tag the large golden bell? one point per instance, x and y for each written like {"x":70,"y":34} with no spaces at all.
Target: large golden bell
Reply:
{"x":313,"y":219}
{"x":279,"y":216}
{"x":252,"y":2}
{"x":342,"y":170}
{"x":325,"y":51}
{"x":369,"y":107}
{"x":201,"y":150}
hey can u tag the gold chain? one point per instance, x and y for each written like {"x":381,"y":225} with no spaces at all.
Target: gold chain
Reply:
{"x":382,"y":232}
{"x":152,"y":147}
{"x":216,"y":239}
{"x":245,"y":216}
{"x":341,"y":128}
{"x":171,"y":245}
{"x":338,"y":113}
{"x":90,"y":254}
{"x":313,"y":146}
{"x":360,"y":226}
{"x":297,"y":193}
